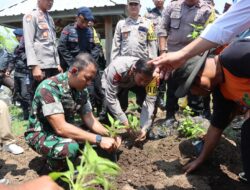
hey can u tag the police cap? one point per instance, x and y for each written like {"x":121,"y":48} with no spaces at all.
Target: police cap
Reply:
{"x":86,"y":12}
{"x":18,"y":32}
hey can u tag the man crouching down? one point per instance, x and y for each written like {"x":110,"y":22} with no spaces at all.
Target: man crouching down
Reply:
{"x":51,"y":130}
{"x":126,"y":74}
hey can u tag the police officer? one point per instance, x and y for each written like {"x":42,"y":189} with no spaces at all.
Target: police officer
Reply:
{"x":175,"y":29}
{"x":155,"y":15}
{"x":5,"y":78}
{"x":79,"y":37}
{"x":130,"y":73}
{"x":51,"y":131}
{"x":135,"y":35}
{"x":21,"y":75}
{"x":40,"y":42}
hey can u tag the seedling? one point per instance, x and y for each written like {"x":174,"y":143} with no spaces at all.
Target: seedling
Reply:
{"x":196,"y":32}
{"x":133,"y":123}
{"x":188,"y":128}
{"x":115,"y":127}
{"x":92,"y":171}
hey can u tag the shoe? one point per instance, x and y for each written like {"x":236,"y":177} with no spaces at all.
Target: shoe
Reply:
{"x":242,"y":177}
{"x":4,"y":181}
{"x":13,"y":148}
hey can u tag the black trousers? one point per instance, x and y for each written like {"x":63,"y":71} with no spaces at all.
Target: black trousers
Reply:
{"x":245,"y":147}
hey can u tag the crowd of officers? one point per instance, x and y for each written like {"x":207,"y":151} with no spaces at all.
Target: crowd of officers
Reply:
{"x":137,"y":39}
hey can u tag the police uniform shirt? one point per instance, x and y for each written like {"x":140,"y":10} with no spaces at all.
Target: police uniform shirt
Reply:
{"x":117,"y":76}
{"x":176,"y":20}
{"x":40,"y":40}
{"x":134,"y":38}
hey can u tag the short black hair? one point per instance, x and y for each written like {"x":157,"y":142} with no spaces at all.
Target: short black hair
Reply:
{"x":142,"y":66}
{"x":82,"y":60}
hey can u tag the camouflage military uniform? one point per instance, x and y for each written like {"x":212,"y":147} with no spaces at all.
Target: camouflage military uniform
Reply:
{"x":54,"y":96}
{"x":134,"y":38}
{"x":117,"y":81}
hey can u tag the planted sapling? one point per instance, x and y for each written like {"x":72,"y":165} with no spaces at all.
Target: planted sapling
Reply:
{"x":93,"y":171}
{"x":115,"y":127}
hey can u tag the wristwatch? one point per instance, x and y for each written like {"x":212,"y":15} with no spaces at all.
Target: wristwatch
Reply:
{"x":98,"y":139}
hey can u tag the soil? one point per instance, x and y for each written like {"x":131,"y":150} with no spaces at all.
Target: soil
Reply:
{"x":153,"y":165}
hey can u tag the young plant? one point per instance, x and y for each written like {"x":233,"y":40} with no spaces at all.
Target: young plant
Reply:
{"x":196,"y":32}
{"x":133,"y":123}
{"x":115,"y":127}
{"x":188,"y":128}
{"x":92,"y":171}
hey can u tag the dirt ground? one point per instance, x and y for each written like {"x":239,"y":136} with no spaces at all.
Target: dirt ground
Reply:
{"x":154,"y":165}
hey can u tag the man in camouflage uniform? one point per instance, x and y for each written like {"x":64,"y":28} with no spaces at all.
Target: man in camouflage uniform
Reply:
{"x":130,"y":73}
{"x":155,"y":15}
{"x":174,"y":34}
{"x":21,"y":75}
{"x":79,"y":37}
{"x":52,"y":132}
{"x":135,"y":35}
{"x":40,"y":42}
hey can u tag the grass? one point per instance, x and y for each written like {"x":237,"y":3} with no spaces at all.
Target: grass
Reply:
{"x":17,"y":122}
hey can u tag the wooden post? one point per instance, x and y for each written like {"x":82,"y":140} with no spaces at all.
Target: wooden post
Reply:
{"x":108,"y":37}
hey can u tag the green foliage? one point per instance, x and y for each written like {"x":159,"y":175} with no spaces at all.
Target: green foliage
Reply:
{"x":196,"y":32}
{"x":133,"y":123}
{"x":188,"y":128}
{"x":92,"y":171}
{"x":7,"y":39}
{"x":17,"y":123}
{"x":115,"y":127}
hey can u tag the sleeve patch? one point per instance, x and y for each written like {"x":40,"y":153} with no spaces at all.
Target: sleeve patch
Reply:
{"x":28,"y":18}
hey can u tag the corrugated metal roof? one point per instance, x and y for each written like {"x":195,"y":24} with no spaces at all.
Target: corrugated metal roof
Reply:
{"x":25,"y":6}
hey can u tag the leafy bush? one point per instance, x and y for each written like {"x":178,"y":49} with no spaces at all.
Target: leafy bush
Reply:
{"x":92,"y":171}
{"x":196,"y":32}
{"x":187,"y":127}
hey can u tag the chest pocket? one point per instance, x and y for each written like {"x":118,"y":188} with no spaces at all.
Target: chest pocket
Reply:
{"x":175,"y":19}
{"x":125,"y":32}
{"x":43,"y":30}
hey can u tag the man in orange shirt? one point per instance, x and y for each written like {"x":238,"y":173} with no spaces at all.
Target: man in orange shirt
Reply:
{"x":227,"y":76}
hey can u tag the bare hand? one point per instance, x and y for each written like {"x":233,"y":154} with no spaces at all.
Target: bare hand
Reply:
{"x":118,"y":141}
{"x":190,"y":167}
{"x":108,"y":144}
{"x":41,"y":183}
{"x":37,"y":73}
{"x":59,"y":68}
{"x":7,"y":73}
{"x":142,"y":136}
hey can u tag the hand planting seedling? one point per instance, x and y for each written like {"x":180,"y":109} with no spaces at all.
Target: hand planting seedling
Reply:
{"x":188,"y":128}
{"x":93,"y":171}
{"x":115,"y":127}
